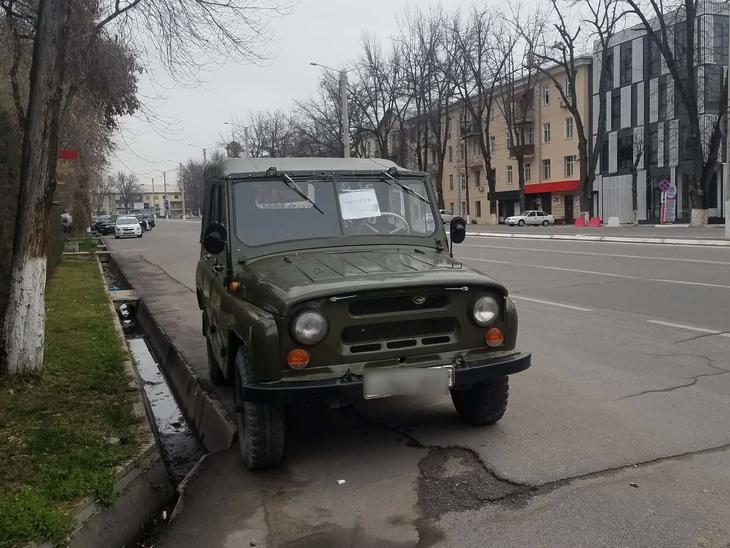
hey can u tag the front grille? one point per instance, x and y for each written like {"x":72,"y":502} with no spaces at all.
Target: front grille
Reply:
{"x":397,"y":303}
{"x":397,"y":330}
{"x":362,"y":339}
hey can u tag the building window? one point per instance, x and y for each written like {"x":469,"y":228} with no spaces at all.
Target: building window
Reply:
{"x":463,"y":208}
{"x":545,"y":94}
{"x":528,"y":135}
{"x":626,"y":63}
{"x":463,"y":182}
{"x":546,"y":169}
{"x":569,"y":128}
{"x":451,"y":207}
{"x":451,"y":154}
{"x":568,"y":89}
{"x":546,"y":132}
{"x":528,"y":171}
{"x":608,"y":73}
{"x":654,"y":59}
{"x":451,"y":182}
{"x":492,"y":144}
{"x":604,"y":155}
{"x":616,"y":111}
{"x":569,"y":165}
{"x":478,"y":206}
{"x":713,"y":88}
{"x":654,"y":146}
{"x":720,"y":40}
{"x":625,"y":152}
{"x":663,"y":114}
{"x":509,"y":175}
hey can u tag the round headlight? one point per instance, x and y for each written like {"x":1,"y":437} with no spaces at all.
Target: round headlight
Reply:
{"x":485,"y":310}
{"x":309,"y":327}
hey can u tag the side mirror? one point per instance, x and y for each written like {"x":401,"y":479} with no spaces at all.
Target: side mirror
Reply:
{"x":458,"y":230}
{"x":214,"y":238}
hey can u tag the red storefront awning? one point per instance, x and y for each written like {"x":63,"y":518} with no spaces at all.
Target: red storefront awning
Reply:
{"x":68,"y":154}
{"x":557,"y":186}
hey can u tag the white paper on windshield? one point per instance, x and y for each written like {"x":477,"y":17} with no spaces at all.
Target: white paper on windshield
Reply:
{"x":359,"y":204}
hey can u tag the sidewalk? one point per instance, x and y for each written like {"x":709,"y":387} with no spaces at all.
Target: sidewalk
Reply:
{"x":713,"y":235}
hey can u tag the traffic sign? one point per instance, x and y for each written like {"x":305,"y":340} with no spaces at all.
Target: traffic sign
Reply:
{"x":664,"y":185}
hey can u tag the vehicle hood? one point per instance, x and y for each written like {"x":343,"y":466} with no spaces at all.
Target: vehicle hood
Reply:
{"x":279,"y":282}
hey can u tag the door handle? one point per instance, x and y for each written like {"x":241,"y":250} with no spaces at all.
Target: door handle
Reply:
{"x":218,"y":268}
{"x":207,"y":256}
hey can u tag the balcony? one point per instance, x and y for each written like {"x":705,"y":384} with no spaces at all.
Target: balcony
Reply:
{"x":527,"y":151}
{"x":468,"y":130}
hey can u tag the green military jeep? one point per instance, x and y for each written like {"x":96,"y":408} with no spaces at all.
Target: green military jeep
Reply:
{"x":325,"y":280}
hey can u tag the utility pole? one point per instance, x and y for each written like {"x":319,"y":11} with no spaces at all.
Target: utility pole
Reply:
{"x":154,"y":209}
{"x":182,"y":187}
{"x":345,"y":115}
{"x":164,"y":195}
{"x":727,"y":165}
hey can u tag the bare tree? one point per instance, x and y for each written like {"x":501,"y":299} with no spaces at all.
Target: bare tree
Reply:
{"x":127,"y":186}
{"x":637,"y":157}
{"x":557,"y":57}
{"x":378,"y":93}
{"x":184,"y":35}
{"x":673,"y":30}
{"x":517,"y":91}
{"x":477,"y":80}
{"x":101,"y":187}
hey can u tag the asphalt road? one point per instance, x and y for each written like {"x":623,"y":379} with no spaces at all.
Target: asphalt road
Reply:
{"x":617,"y":436}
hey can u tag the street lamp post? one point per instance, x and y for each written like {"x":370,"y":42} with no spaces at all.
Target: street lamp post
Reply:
{"x":343,"y":107}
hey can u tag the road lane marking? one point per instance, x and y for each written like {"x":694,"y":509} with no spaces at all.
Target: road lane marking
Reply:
{"x":690,"y":328}
{"x":551,"y":303}
{"x":617,"y":255}
{"x":609,"y":274}
{"x":595,"y":273}
{"x":720,"y":286}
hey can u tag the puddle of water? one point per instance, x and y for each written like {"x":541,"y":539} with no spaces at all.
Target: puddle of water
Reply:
{"x":180,"y":448}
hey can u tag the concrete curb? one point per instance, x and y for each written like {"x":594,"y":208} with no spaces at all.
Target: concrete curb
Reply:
{"x":209,"y":418}
{"x":597,"y":238}
{"x":143,"y":485}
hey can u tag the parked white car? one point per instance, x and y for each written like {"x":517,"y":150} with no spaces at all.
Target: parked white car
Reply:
{"x":446,"y":215}
{"x":126,"y":227}
{"x":532,"y":217}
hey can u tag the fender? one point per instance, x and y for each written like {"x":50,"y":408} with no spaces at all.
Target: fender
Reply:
{"x":254,"y":328}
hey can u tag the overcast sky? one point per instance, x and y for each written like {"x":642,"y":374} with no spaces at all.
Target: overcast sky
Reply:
{"x":326,"y":31}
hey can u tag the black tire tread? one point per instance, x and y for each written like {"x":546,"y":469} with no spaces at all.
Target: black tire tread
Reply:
{"x":262,"y":446}
{"x":484,"y":403}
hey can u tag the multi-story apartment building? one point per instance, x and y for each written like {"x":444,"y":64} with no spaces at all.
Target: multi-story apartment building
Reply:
{"x":644,"y":120}
{"x":146,"y":200}
{"x":551,"y":161}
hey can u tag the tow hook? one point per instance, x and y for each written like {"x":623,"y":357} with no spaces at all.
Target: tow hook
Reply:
{"x":349,"y":376}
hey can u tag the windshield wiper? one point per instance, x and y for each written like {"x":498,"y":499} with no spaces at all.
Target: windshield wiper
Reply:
{"x":404,"y":188}
{"x":288,"y":181}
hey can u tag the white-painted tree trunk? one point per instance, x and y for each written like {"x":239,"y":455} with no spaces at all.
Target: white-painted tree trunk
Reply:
{"x":698,"y":217}
{"x":636,"y":218}
{"x":24,"y":329}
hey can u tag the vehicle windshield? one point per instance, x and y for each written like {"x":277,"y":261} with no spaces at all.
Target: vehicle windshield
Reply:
{"x":270,"y":211}
{"x":127,"y":221}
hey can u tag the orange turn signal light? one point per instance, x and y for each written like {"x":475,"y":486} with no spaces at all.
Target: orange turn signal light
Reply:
{"x":298,"y":358}
{"x":233,"y":287}
{"x":494,"y":337}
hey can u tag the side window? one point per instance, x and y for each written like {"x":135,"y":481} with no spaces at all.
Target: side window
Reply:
{"x":213,"y":205}
{"x":531,"y":214}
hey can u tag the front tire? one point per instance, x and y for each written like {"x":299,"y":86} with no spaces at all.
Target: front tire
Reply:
{"x":484,"y":403}
{"x":521,"y":222}
{"x":546,"y":223}
{"x":261,"y":426}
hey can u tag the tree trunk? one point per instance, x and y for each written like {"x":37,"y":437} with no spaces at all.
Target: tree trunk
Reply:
{"x":21,"y":342}
{"x":634,"y":197}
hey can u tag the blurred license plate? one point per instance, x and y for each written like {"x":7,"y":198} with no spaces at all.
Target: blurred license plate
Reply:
{"x":416,"y":381}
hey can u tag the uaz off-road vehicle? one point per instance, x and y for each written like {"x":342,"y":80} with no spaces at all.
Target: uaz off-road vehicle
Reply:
{"x":331,"y":280}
